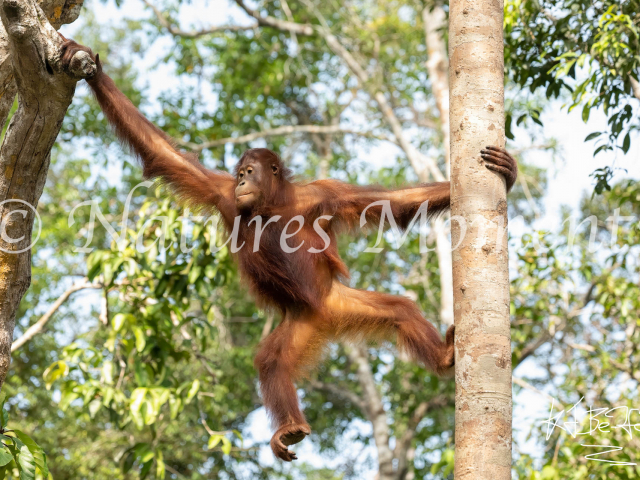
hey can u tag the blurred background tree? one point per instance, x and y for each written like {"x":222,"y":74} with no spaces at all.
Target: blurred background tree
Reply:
{"x":146,"y":370}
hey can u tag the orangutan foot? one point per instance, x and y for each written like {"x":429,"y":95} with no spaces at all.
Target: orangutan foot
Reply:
{"x":288,"y":435}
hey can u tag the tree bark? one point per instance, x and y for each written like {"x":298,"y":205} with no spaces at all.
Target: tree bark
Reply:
{"x":480,"y":261}
{"x":29,"y":64}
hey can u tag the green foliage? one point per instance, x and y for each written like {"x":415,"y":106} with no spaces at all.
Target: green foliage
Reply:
{"x":595,"y":332}
{"x":166,"y":388}
{"x":588,"y":50}
{"x":20,"y":456}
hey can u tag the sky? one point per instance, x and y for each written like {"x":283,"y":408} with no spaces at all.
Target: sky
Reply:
{"x":568,"y":180}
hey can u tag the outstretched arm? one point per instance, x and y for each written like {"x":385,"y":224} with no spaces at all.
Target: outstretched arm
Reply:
{"x":347,"y":202}
{"x":189,"y":179}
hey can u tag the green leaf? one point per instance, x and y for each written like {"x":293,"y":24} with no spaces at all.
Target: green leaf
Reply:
{"x":175,"y":406}
{"x":107,"y":372}
{"x":94,"y":407}
{"x":140,"y":373}
{"x":137,"y":399}
{"x":226,"y":446}
{"x":4,"y":414}
{"x":128,"y":459}
{"x":626,"y":143}
{"x":160,"y":468}
{"x":144,"y":452}
{"x":55,"y":371}
{"x":194,"y":273}
{"x":239,"y":435}
{"x":66,"y":399}
{"x":141,"y":341}
{"x":27,"y":464}
{"x":586,"y":110}
{"x":94,"y":262}
{"x":5,"y":456}
{"x":193,"y":391}
{"x":35,"y":449}
{"x":146,"y":469}
{"x":593,"y":135}
{"x":599,"y":149}
{"x":214,"y":440}
{"x":118,"y":322}
{"x":120,"y":319}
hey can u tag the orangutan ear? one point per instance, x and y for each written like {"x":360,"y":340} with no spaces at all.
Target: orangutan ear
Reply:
{"x":274,"y":169}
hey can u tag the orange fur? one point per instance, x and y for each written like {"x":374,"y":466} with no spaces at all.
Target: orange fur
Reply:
{"x":306,"y":287}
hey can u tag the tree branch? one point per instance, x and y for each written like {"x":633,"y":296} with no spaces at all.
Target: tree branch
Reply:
{"x":374,"y":409}
{"x":44,"y":93}
{"x":268,"y":21}
{"x":635,"y":87}
{"x":340,"y":392}
{"x":434,"y":20}
{"x":279,"y":131}
{"x":37,"y":327}
{"x":547,"y":336}
{"x":173,"y":30}
{"x":403,"y":444}
{"x":423,"y":165}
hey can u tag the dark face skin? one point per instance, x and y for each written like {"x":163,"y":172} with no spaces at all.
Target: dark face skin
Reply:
{"x":252,"y":182}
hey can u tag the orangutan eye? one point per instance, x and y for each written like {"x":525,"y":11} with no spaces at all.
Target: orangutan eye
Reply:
{"x":274,"y":169}
{"x":249,"y":171}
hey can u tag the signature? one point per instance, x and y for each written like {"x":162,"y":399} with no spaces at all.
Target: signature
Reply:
{"x":594,"y":421}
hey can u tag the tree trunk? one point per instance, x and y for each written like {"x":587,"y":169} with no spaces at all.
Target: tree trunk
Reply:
{"x":30,"y":65}
{"x":480,"y":261}
{"x":435,"y":20}
{"x":375,"y":412}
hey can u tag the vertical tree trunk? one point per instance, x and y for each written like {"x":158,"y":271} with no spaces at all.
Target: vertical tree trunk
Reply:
{"x":480,"y":268}
{"x":30,"y":65}
{"x":435,"y":21}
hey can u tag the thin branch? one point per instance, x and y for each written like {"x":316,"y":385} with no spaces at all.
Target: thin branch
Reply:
{"x":332,"y":41}
{"x":581,"y":346}
{"x":37,"y":327}
{"x":522,"y":180}
{"x":404,"y":442}
{"x":266,"y":328}
{"x":340,"y":392}
{"x":268,"y":21}
{"x":172,"y":29}
{"x":279,"y":131}
{"x":547,"y":336}
{"x":374,"y":409}
{"x":635,"y":87}
{"x":104,"y":308}
{"x":633,"y":373}
{"x":534,"y":345}
{"x":287,"y":12}
{"x":173,"y":471}
{"x":422,"y":164}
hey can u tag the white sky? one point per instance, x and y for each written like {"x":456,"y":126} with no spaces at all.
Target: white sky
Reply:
{"x":567,"y":183}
